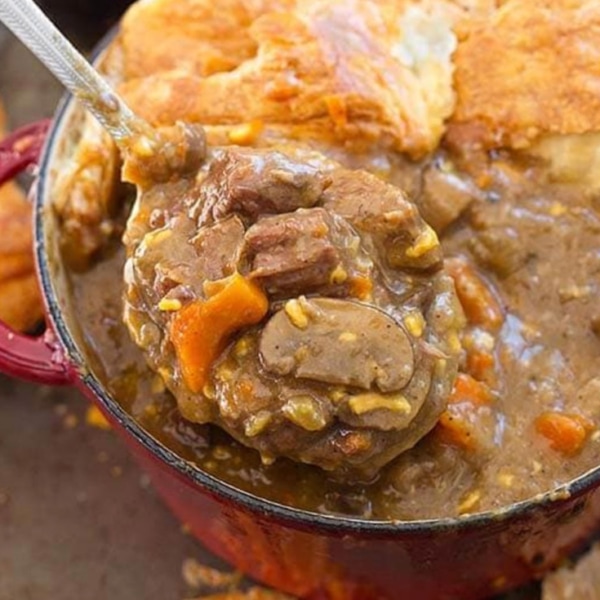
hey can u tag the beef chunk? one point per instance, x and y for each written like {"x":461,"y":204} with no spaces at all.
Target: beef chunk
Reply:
{"x":382,"y":213}
{"x":253,"y":183}
{"x":499,"y":249}
{"x":363,"y":198}
{"x":418,"y":479}
{"x":303,"y":252}
{"x":446,"y":195}
{"x":218,"y":247}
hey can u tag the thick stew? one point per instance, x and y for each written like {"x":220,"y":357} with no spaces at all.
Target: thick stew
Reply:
{"x":376,"y":311}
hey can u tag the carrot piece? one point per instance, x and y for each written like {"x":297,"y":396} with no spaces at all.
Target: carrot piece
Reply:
{"x":453,"y":428}
{"x":478,"y":301}
{"x":457,"y":423}
{"x":480,"y":364}
{"x":565,"y":432}
{"x":468,"y":389}
{"x":200,"y":331}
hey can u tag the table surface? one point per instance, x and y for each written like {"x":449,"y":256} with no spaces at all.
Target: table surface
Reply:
{"x":77,"y":517}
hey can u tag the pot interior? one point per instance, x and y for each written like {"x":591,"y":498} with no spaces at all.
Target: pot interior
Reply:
{"x":66,"y":320}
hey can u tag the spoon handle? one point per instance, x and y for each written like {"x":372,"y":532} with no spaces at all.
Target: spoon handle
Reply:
{"x":25,"y":19}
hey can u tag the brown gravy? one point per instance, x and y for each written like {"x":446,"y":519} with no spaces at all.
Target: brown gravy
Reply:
{"x":537,"y":244}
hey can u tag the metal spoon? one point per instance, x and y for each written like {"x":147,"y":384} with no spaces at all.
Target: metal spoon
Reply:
{"x":150,"y":155}
{"x":38,"y":33}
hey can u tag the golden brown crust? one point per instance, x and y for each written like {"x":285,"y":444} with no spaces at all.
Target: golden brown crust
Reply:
{"x":343,"y":71}
{"x":21,"y":305}
{"x":192,"y":35}
{"x":531,"y":68}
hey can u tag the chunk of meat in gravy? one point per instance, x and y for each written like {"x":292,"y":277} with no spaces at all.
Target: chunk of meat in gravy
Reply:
{"x":307,"y":251}
{"x":499,"y":249}
{"x":382,"y":212}
{"x":218,"y":247}
{"x":165,"y":259}
{"x":370,"y":349}
{"x":579,"y":583}
{"x":253,"y":183}
{"x":445,"y":195}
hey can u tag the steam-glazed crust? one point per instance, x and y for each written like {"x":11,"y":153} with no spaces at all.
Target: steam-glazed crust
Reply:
{"x":358,"y":73}
{"x":530,"y":69}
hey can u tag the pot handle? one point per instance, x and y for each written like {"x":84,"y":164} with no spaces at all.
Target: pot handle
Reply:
{"x":22,"y":149}
{"x":38,"y":359}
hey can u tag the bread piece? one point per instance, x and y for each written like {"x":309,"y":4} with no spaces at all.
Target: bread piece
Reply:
{"x":20,"y":299}
{"x":358,"y":74}
{"x":532,"y":68}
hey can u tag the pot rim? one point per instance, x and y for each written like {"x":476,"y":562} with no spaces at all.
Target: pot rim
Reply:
{"x":193,"y":474}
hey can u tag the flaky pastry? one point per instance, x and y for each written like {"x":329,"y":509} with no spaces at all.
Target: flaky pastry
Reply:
{"x":21,"y":305}
{"x":359,"y":74}
{"x":529,"y":69}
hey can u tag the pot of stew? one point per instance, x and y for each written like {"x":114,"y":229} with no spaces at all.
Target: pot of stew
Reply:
{"x":353,"y":341}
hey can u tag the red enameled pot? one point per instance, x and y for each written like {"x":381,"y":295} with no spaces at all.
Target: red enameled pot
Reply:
{"x":309,"y":555}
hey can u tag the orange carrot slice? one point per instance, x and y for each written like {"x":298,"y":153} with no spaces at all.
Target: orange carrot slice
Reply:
{"x":565,"y":432}
{"x":201,"y":330}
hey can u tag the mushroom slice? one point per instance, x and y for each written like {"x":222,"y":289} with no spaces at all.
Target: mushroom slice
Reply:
{"x":340,"y":342}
